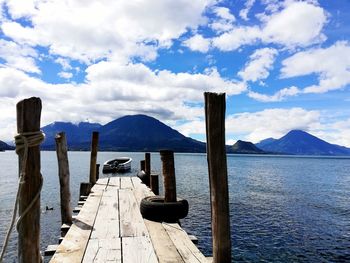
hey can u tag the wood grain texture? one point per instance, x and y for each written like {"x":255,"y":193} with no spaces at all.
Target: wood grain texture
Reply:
{"x":168,"y":167}
{"x":73,"y":246}
{"x":114,"y":181}
{"x":93,"y":157}
{"x":63,"y":174}
{"x":107,"y":220}
{"x":28,"y":120}
{"x":138,"y":250}
{"x":164,"y":247}
{"x":103,"y":250}
{"x":188,"y":251}
{"x":215,"y":107}
{"x":126,"y":183}
{"x":131,"y":221}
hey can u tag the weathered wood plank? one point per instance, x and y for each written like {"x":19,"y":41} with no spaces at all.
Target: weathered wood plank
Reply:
{"x":140,"y":189}
{"x":103,"y":250}
{"x":138,"y":250}
{"x":103,"y":181}
{"x":114,"y":181}
{"x":106,"y":225}
{"x":73,"y":246}
{"x":126,"y":183}
{"x":131,"y":221}
{"x":189,"y":252}
{"x":164,"y":247}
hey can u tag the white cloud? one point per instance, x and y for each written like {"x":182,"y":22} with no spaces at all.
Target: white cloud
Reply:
{"x":260,"y":64}
{"x":123,"y":28}
{"x":244,"y":12}
{"x":278,"y":96}
{"x":112,"y":90}
{"x":65,"y":75}
{"x":237,"y":37}
{"x":19,"y":56}
{"x":256,"y":126}
{"x":197,"y":43}
{"x":331,"y":64}
{"x":224,"y":13}
{"x":298,"y":24}
{"x":64,"y":62}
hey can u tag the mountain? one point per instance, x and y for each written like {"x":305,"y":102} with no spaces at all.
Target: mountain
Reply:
{"x":76,"y":133}
{"x":128,"y":133}
{"x":144,"y":133}
{"x":302,"y":143}
{"x":264,"y":142}
{"x":246,"y":148}
{"x":4,"y":146}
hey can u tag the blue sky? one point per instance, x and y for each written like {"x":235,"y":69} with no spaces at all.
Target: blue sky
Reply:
{"x":283,"y":64}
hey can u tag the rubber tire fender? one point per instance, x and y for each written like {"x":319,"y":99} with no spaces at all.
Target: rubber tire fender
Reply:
{"x":155,"y":209}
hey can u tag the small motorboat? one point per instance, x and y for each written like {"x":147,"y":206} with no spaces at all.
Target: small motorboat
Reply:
{"x":120,"y":164}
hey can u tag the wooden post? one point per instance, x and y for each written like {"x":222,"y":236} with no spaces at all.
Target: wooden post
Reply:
{"x":63,"y":173}
{"x":85,"y":189}
{"x":142,"y":165}
{"x":28,"y":120}
{"x":155,"y":184}
{"x":167,"y":158}
{"x":94,"y":145}
{"x":148,"y":168}
{"x":215,"y":107}
{"x":97,"y":171}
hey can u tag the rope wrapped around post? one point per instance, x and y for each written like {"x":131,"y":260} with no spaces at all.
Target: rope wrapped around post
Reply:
{"x":23,"y":141}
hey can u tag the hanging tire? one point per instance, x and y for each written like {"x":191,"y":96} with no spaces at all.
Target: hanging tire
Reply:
{"x":155,"y":209}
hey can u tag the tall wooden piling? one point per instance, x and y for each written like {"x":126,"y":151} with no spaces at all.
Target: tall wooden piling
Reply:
{"x":148,"y":168}
{"x":155,"y":184}
{"x":63,"y":173}
{"x":28,"y":120}
{"x":168,"y":168}
{"x":215,"y":107}
{"x":97,"y":171}
{"x":94,"y":145}
{"x":142,"y":165}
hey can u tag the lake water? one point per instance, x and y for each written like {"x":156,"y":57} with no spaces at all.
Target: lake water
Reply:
{"x":283,"y":208}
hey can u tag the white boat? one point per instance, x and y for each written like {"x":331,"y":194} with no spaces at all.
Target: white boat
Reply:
{"x":120,"y":164}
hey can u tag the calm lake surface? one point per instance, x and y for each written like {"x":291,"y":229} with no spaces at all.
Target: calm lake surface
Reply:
{"x":283,"y":208}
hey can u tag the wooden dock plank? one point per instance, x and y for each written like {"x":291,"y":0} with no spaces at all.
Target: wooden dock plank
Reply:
{"x":103,"y":250}
{"x":164,"y":247}
{"x":103,"y":181}
{"x":114,"y":181}
{"x":138,"y":250}
{"x":188,"y":251}
{"x":131,"y":221}
{"x":126,"y":183}
{"x":110,"y":228}
{"x":73,"y":246}
{"x":106,"y":225}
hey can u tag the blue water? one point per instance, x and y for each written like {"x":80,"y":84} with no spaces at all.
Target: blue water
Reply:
{"x":282,"y":208}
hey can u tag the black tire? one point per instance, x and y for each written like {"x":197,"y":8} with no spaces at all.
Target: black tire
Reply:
{"x":153,"y":208}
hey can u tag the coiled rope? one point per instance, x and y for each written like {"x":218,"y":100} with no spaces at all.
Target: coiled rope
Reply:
{"x":23,"y":141}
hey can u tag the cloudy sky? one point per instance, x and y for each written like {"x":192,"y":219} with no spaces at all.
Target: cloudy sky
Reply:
{"x":282,"y":64}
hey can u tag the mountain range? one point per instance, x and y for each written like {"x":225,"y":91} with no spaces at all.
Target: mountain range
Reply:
{"x":128,"y":133}
{"x":4,"y":146}
{"x":144,"y":133}
{"x":301,"y":143}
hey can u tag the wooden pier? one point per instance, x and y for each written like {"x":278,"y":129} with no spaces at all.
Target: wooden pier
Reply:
{"x":110,"y":228}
